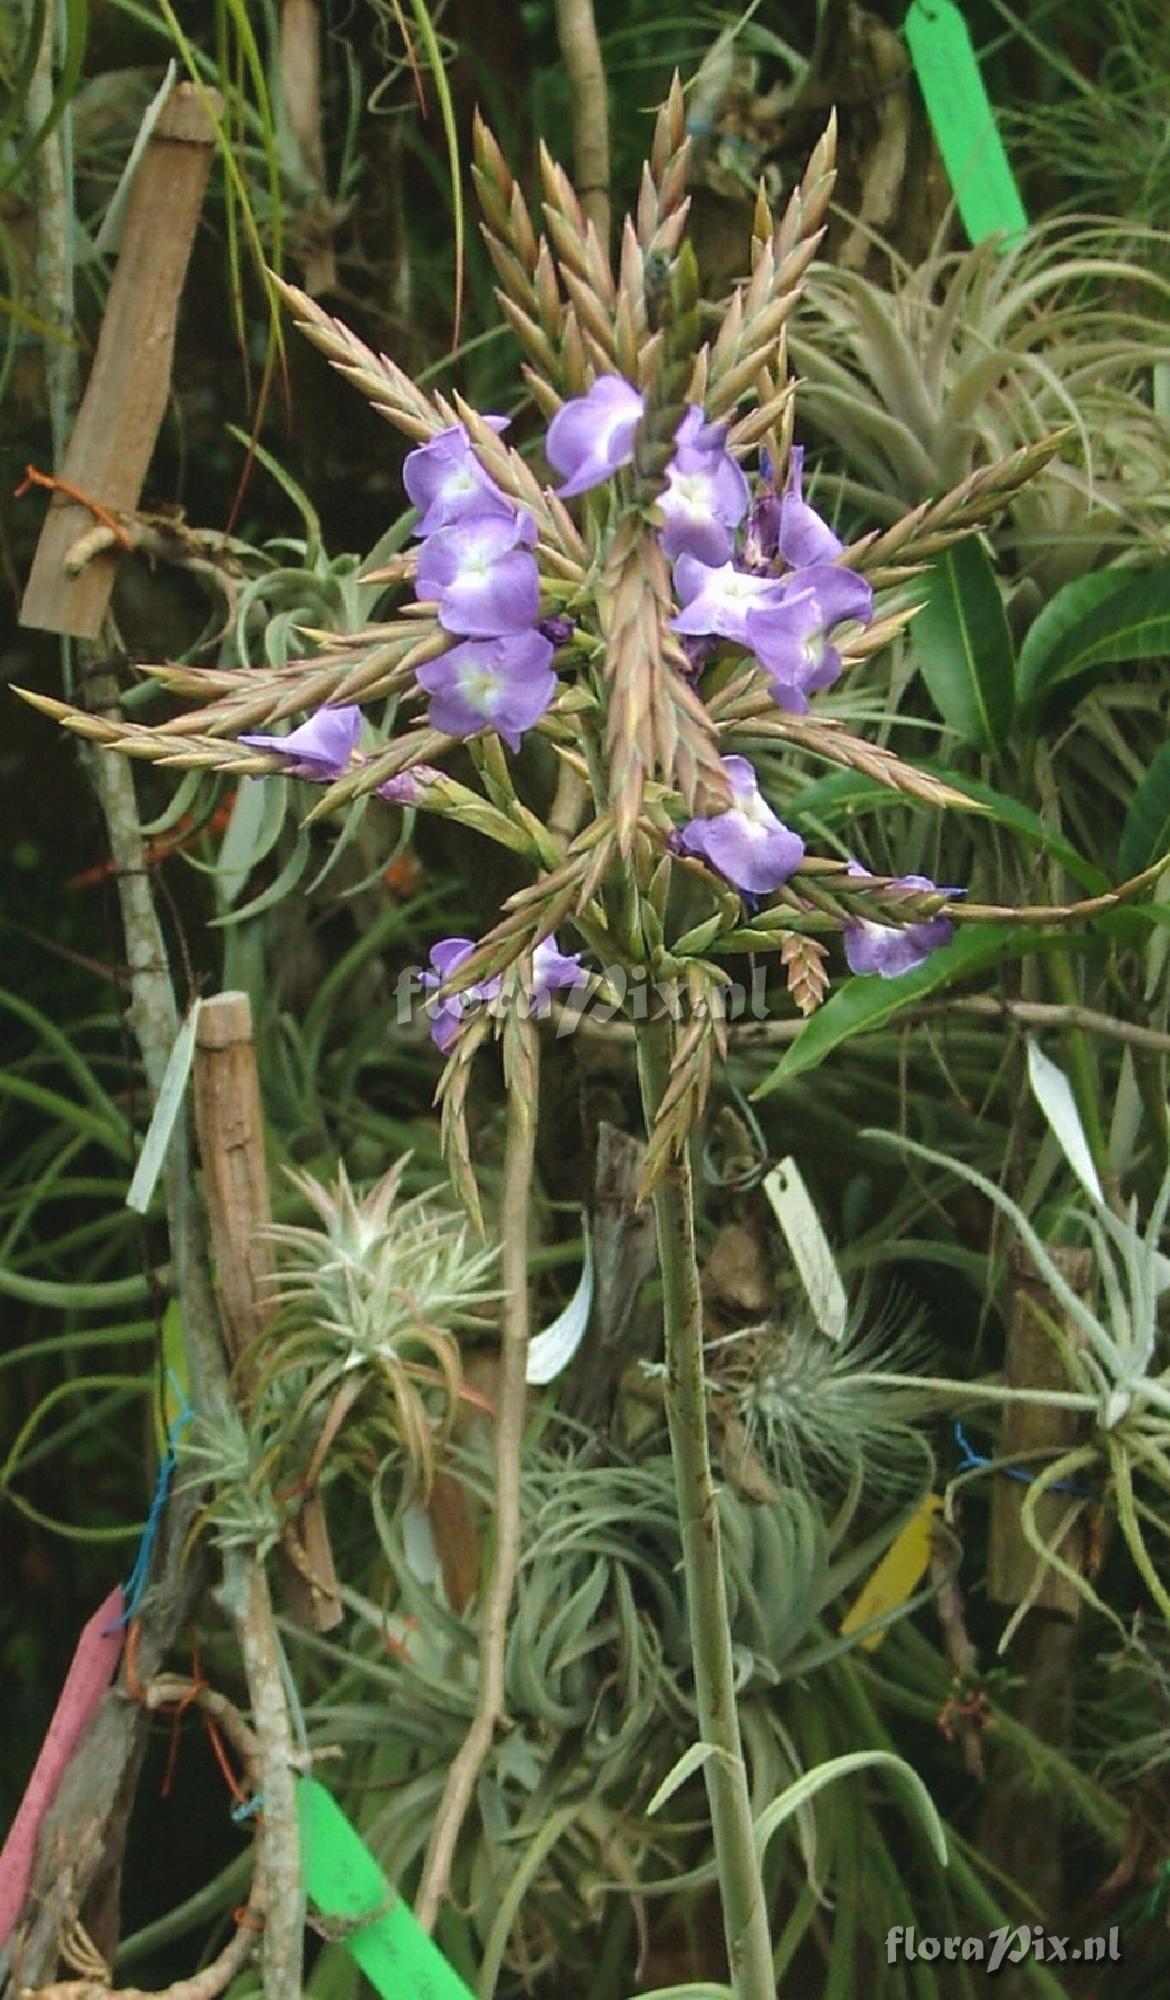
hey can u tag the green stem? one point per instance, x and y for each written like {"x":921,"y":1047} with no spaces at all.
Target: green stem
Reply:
{"x":745,"y":1916}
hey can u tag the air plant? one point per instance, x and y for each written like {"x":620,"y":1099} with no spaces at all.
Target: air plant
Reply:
{"x":973,"y":354}
{"x":674,"y":620}
{"x":814,"y":1410}
{"x":1117,"y":1372}
{"x":371,"y":1304}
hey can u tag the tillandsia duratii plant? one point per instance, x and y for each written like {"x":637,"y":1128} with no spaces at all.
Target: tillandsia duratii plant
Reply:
{"x":679,"y":618}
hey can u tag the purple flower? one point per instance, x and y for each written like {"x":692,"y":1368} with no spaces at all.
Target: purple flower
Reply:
{"x":718,"y":600}
{"x":557,"y":629}
{"x":504,"y":684}
{"x":791,"y":639}
{"x":592,"y":435}
{"x":407,"y":787}
{"x":484,"y":585}
{"x":320,"y":749}
{"x":879,"y":948}
{"x":706,"y":495}
{"x":747,"y":843}
{"x":696,"y":653}
{"x":446,"y":481}
{"x":761,"y":542}
{"x":803,"y":537}
{"x":445,"y":1015}
{"x":552,"y":970}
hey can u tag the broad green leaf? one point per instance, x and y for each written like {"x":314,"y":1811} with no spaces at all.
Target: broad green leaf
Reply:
{"x":868,"y":1001}
{"x":1062,"y":616}
{"x":1145,"y":837}
{"x":964,"y":649}
{"x":1101,"y":620}
{"x":807,"y":1786}
{"x":839,"y":795}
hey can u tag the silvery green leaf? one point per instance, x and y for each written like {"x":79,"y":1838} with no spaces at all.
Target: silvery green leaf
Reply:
{"x":418,"y":1543}
{"x":811,"y":1782}
{"x":684,"y":1767}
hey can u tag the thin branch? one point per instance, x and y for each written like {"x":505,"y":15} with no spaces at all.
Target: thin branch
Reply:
{"x":522,"y":1057}
{"x":581,"y":54}
{"x":1029,"y":1013}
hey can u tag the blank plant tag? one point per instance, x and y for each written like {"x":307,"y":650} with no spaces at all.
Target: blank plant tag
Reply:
{"x":344,"y":1881}
{"x":551,"y":1351}
{"x":897,"y":1576}
{"x":166,"y":1111}
{"x":792,"y":1206}
{"x":963,"y":121}
{"x":1053,"y":1093}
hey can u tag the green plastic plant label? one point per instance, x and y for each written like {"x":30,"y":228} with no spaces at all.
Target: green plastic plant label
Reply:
{"x":344,"y":1881}
{"x":963,"y":121}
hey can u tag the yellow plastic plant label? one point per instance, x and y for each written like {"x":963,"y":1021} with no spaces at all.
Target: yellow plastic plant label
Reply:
{"x":963,"y":121}
{"x":897,"y":1576}
{"x":344,"y":1881}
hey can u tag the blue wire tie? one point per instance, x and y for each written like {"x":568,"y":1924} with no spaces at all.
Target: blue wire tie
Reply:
{"x":974,"y":1461}
{"x":135,"y":1586}
{"x":249,"y":1806}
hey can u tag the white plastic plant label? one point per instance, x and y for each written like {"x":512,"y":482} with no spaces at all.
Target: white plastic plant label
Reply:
{"x":554,"y":1348}
{"x":1053,"y":1093}
{"x":812,"y":1254}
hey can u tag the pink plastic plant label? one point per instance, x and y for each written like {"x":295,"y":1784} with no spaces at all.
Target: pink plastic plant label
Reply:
{"x":91,"y":1671}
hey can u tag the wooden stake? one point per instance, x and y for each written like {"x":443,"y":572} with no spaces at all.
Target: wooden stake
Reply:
{"x":230,"y":1126}
{"x":113,"y":439}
